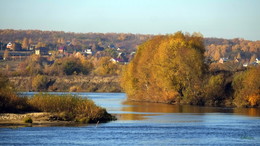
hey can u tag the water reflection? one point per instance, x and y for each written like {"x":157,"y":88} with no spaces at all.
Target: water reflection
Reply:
{"x":116,"y":103}
{"x":253,"y":112}
{"x":159,"y":108}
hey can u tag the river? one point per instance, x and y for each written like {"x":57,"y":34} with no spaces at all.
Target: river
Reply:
{"x":147,"y":124}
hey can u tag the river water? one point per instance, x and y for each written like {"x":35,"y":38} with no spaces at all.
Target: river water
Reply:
{"x":147,"y":124}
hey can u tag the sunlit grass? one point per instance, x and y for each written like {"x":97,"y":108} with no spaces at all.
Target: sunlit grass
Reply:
{"x":69,"y":107}
{"x":62,"y":107}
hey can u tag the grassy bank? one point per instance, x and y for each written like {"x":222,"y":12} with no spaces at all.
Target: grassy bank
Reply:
{"x":61,"y":107}
{"x":69,"y":108}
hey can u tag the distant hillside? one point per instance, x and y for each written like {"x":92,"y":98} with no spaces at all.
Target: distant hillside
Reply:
{"x":216,"y":48}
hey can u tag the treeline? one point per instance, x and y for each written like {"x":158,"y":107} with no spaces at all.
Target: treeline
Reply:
{"x":44,"y":72}
{"x":171,"y":69}
{"x":70,"y":65}
{"x":215,"y":48}
{"x":233,"y":48}
{"x":80,"y":41}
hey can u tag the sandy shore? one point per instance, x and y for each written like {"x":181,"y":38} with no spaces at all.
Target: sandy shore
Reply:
{"x":39,"y":119}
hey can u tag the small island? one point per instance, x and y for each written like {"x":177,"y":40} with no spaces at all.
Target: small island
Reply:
{"x":47,"y":109}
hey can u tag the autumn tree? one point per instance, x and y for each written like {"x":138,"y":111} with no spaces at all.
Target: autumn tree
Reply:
{"x":40,"y":83}
{"x":69,"y":66}
{"x":25,"y":43}
{"x":105,"y":67}
{"x":6,"y":55}
{"x":253,"y":58}
{"x":31,"y":66}
{"x":166,"y":69}
{"x":30,"y":41}
{"x":40,"y":44}
{"x":247,"y":87}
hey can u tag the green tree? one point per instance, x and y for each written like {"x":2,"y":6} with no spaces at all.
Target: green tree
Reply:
{"x":72,"y":65}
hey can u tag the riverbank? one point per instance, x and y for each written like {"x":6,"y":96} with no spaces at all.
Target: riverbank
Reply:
{"x":39,"y":119}
{"x":73,"y":83}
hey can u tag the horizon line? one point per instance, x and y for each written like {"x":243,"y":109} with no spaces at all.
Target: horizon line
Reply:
{"x":126,"y":33}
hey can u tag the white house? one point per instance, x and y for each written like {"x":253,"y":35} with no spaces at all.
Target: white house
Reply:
{"x":9,"y":45}
{"x":88,"y":51}
{"x":222,"y":60}
{"x":245,"y":64}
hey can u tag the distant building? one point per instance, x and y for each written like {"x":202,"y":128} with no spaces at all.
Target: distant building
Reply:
{"x":223,"y":60}
{"x":14,"y":46}
{"x":9,"y":45}
{"x":89,"y":51}
{"x":61,"y":49}
{"x":245,"y":65}
{"x":32,"y":47}
{"x":42,"y":51}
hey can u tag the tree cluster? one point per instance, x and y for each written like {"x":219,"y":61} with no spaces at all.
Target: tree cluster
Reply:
{"x":166,"y":69}
{"x":171,"y":69}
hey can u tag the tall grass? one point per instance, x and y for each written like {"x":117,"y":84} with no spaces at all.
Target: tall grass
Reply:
{"x":70,"y":107}
{"x":10,"y":102}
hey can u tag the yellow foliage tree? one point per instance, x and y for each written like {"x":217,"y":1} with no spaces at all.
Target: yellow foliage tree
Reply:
{"x":247,"y":87}
{"x":166,"y":69}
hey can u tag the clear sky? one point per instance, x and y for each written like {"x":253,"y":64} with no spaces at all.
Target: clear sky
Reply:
{"x":212,"y":18}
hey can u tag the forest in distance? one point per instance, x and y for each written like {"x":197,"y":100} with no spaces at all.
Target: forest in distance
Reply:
{"x":176,"y":68}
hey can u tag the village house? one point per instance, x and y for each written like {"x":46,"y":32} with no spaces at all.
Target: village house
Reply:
{"x":9,"y":45}
{"x":245,"y":65}
{"x":14,"y":46}
{"x":42,"y":51}
{"x":223,"y":60}
{"x":32,"y":47}
{"x":62,"y":49}
{"x":89,"y":51}
{"x":121,"y":58}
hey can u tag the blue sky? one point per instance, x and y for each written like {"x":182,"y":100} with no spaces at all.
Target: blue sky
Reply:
{"x":212,"y":18}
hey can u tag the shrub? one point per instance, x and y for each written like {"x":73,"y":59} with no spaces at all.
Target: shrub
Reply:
{"x":9,"y":101}
{"x":72,"y":65}
{"x":40,"y":83}
{"x":106,"y":67}
{"x":74,"y":88}
{"x":28,"y":120}
{"x":214,"y":89}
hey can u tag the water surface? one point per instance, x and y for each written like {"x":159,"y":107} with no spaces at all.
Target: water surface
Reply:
{"x":147,"y":124}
